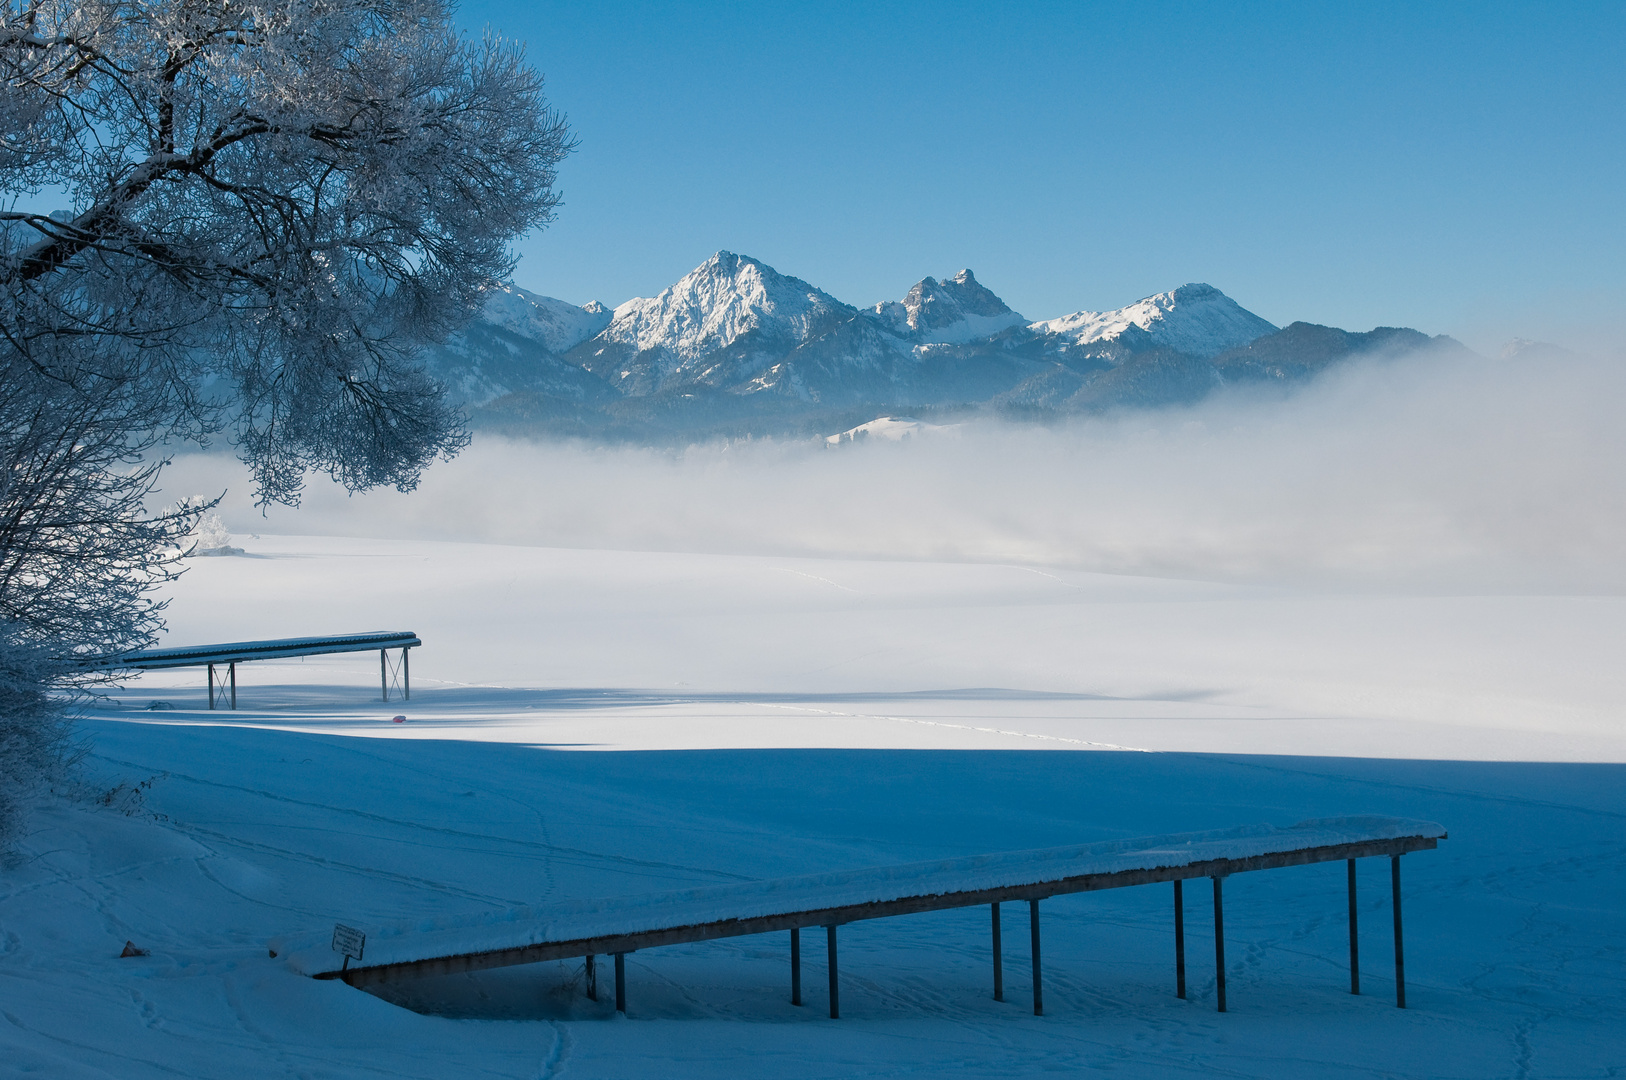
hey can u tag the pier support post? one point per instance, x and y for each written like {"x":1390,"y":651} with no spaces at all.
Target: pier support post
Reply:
{"x":1179,"y":940}
{"x":999,"y":966}
{"x":1038,"y":983}
{"x":1219,"y":941}
{"x":1400,"y":953}
{"x":621,"y":983}
{"x":795,"y":966}
{"x":592,"y":978}
{"x":1354,"y":940}
{"x":835,"y":990}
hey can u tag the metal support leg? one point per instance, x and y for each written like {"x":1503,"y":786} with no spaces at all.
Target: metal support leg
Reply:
{"x":999,"y":966}
{"x":1219,"y":942}
{"x":211,"y":686}
{"x":592,"y":979}
{"x":233,"y":669}
{"x":384,"y":674}
{"x":621,"y":983}
{"x":406,"y":675}
{"x":1400,"y":954}
{"x":1354,"y":940}
{"x":835,"y":990}
{"x":1179,"y":940}
{"x":795,"y":967}
{"x":1038,"y":984}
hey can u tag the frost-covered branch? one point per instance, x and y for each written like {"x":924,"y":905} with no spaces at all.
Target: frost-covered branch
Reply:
{"x":302,"y":193}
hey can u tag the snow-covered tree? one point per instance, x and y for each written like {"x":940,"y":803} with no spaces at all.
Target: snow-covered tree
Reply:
{"x":239,"y":218}
{"x":35,"y":741}
{"x":210,"y":535}
{"x":254,"y":214}
{"x":79,"y":556}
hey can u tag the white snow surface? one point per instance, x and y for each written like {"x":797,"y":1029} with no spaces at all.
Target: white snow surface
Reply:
{"x":597,"y":724}
{"x":602,"y":917}
{"x":1196,"y":319}
{"x":558,"y":325}
{"x":710,"y":307}
{"x":969,"y":327}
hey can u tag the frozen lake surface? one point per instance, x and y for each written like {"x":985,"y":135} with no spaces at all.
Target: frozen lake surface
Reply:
{"x":600,"y":723}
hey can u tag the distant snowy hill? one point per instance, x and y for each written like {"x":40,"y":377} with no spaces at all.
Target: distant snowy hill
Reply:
{"x":735,"y":347}
{"x":1523,"y":349}
{"x":557,"y":325}
{"x":889,"y":429}
{"x":514,"y":346}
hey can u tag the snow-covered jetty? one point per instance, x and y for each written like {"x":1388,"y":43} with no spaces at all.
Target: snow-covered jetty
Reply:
{"x":228,"y":655}
{"x":618,"y":925}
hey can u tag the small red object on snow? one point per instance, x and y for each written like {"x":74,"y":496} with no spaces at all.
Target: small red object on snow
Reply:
{"x":398,"y":720}
{"x":131,"y":950}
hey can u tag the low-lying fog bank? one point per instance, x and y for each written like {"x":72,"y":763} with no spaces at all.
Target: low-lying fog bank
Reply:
{"x":1474,"y":474}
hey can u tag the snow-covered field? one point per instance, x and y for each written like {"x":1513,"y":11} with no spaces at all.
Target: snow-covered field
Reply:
{"x":592,"y":722}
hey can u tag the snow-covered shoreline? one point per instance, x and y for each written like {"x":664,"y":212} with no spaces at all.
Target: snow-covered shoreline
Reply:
{"x":838,"y":714}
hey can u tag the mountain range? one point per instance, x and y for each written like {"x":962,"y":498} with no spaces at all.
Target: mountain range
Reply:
{"x":735,"y":348}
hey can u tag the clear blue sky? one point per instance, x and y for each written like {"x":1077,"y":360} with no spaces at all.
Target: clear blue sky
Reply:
{"x":1458,"y":168}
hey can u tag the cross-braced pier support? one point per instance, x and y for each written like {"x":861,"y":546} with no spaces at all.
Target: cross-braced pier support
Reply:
{"x":395,"y":676}
{"x":223,"y":688}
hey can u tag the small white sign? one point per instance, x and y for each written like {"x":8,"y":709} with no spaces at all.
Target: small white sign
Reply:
{"x":348,"y":940}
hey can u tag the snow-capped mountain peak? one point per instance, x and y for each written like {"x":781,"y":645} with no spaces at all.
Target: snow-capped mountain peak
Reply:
{"x":717,"y":302}
{"x":1195,"y":319}
{"x":735,"y":345}
{"x":951,"y":311}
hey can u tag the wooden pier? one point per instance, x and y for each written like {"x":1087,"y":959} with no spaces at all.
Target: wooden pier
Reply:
{"x":616,"y":926}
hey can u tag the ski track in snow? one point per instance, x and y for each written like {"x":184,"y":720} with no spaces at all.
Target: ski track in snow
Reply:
{"x":307,"y":807}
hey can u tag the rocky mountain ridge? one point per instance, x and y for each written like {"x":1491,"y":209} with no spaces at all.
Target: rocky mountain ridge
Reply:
{"x":950,"y":312}
{"x":735,"y":347}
